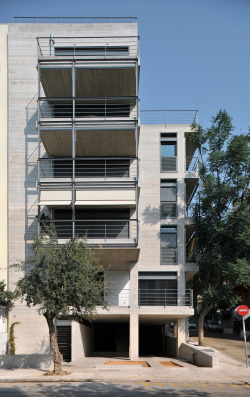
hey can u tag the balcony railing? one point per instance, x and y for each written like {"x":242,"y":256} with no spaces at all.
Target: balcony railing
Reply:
{"x":191,"y":210}
{"x":165,"y":297}
{"x":88,"y":167}
{"x":166,"y":117}
{"x":112,"y":47}
{"x":88,"y":108}
{"x":117,"y":297}
{"x":96,"y":231}
{"x":192,"y":164}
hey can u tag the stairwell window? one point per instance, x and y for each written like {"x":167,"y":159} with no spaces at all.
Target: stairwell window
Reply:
{"x":168,"y":245}
{"x":168,"y":152}
{"x":168,"y":198}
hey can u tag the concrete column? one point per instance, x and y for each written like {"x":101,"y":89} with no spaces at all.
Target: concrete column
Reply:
{"x":181,"y":334}
{"x":134,"y":337}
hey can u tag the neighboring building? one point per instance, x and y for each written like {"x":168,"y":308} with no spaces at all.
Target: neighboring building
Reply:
{"x":79,"y":155}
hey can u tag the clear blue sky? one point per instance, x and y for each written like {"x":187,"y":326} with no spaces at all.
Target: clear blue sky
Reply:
{"x":195,"y":54}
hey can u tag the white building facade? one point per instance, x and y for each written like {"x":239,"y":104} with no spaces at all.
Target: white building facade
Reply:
{"x":80,"y":155}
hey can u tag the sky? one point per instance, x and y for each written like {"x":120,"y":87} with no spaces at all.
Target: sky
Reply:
{"x":195,"y":54}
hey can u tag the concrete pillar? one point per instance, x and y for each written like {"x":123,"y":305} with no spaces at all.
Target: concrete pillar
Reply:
{"x":181,"y":334}
{"x":134,"y":337}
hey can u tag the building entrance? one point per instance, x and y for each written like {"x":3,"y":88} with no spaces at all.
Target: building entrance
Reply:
{"x":111,"y":337}
{"x":151,"y":340}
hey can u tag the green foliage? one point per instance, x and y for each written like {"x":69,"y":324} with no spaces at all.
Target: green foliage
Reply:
{"x":12,"y":346}
{"x":6,"y":297}
{"x":224,"y":217}
{"x":62,"y":280}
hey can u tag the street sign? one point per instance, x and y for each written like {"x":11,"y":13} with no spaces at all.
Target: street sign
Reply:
{"x":242,"y":310}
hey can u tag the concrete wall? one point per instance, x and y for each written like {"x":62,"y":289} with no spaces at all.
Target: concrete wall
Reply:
{"x":82,"y":340}
{"x":198,"y":357}
{"x":43,"y":361}
{"x":118,"y":284}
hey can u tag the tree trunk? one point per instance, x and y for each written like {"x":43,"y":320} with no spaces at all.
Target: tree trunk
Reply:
{"x":202,"y":315}
{"x":54,"y":345}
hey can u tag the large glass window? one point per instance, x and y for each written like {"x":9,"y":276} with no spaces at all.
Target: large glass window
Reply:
{"x":168,"y":245}
{"x":168,"y":152}
{"x":168,"y":198}
{"x":157,"y":288}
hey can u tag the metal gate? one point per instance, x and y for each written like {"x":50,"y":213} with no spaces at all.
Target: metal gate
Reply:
{"x":63,"y":333}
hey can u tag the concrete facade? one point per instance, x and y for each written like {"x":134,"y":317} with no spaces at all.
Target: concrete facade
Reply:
{"x":83,"y":158}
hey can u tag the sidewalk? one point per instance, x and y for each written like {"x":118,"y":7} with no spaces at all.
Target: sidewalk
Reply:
{"x":94,"y":369}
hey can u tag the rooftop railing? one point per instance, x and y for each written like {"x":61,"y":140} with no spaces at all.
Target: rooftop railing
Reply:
{"x":74,"y":19}
{"x":166,"y":117}
{"x":88,"y":47}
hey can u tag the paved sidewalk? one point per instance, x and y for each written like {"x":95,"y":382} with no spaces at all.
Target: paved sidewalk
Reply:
{"x":94,"y":369}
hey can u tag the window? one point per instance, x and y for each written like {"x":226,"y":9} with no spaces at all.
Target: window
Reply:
{"x":168,"y":198}
{"x":157,"y":288}
{"x":168,"y":152}
{"x":168,"y":245}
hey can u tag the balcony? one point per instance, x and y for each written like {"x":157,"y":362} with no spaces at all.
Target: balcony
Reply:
{"x":89,"y":110}
{"x":65,"y":168}
{"x":106,"y":47}
{"x":97,"y":232}
{"x":164,"y":297}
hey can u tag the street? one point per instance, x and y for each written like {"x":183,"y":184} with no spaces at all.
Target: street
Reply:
{"x":123,"y":389}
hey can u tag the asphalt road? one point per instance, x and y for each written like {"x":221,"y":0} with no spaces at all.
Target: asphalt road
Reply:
{"x":122,"y":389}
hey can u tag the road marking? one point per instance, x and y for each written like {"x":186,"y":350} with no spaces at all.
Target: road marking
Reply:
{"x":234,"y":386}
{"x":188,"y":384}
{"x":159,"y":384}
{"x":248,"y":386}
{"x":173,"y":384}
{"x":204,"y":384}
{"x":219,"y":385}
{"x":145,"y":383}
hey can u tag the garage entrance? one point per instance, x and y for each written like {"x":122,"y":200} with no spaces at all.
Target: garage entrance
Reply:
{"x":151,"y":340}
{"x":111,"y":337}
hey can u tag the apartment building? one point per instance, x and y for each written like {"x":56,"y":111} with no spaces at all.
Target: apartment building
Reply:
{"x":80,"y":155}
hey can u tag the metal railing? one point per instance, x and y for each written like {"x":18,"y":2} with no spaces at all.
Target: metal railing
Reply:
{"x":165,"y":297}
{"x":88,"y":167}
{"x":113,"y":47}
{"x":166,"y":117}
{"x":101,"y":108}
{"x":192,"y":164}
{"x":117,"y":297}
{"x":191,"y":210}
{"x":190,"y":255}
{"x":74,"y":19}
{"x":95,"y":231}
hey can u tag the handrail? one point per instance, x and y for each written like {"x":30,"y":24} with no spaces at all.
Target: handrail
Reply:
{"x":104,"y":231}
{"x":166,"y":117}
{"x":124,"y":168}
{"x":164,"y":297}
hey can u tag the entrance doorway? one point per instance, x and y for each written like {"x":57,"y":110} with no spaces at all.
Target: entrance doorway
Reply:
{"x":112,"y":337}
{"x":151,"y":340}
